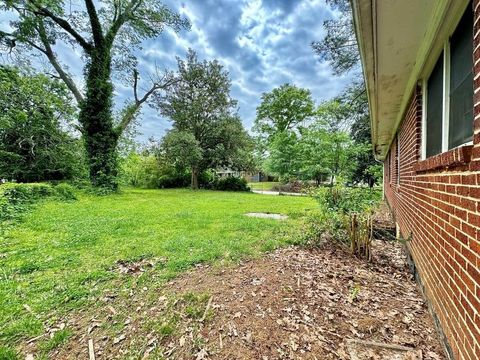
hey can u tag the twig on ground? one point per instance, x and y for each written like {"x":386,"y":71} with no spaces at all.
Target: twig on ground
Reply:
{"x":206,"y":309}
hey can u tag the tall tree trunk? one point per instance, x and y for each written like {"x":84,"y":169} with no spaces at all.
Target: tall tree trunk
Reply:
{"x":194,"y":178}
{"x":100,"y":135}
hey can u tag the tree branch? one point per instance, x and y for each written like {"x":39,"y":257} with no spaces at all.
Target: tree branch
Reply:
{"x":132,"y":109}
{"x":120,"y":20}
{"x":94,"y":22}
{"x":64,"y":24}
{"x":48,"y":51}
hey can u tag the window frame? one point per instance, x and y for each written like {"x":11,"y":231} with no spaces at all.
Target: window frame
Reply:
{"x":445,"y":103}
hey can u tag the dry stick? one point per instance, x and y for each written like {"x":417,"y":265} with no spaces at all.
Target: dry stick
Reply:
{"x":206,"y":309}
{"x":91,"y":351}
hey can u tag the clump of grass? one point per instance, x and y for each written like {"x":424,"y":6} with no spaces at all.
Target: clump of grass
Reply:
{"x":59,"y":338}
{"x":7,"y":353}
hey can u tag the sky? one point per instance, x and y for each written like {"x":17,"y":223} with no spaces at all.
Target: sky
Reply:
{"x":262,"y":43}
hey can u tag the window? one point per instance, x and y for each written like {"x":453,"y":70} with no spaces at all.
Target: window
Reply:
{"x":435,"y":109}
{"x":398,"y":160}
{"x":448,"y":93}
{"x":461,"y":83}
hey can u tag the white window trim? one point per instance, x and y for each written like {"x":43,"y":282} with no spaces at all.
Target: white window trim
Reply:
{"x":423,"y":154}
{"x":446,"y":96}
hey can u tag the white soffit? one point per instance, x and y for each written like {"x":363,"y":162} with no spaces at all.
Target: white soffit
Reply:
{"x":395,"y":39}
{"x":401,"y":26}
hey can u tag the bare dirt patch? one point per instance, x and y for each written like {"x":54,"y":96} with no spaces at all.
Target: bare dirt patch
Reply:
{"x":267,"y":216}
{"x":294,"y":303}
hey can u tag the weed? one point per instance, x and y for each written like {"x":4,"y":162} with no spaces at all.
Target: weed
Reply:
{"x":354,"y":292}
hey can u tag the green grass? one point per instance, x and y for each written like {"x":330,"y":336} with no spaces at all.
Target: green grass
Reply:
{"x":265,"y":186}
{"x":62,"y":255}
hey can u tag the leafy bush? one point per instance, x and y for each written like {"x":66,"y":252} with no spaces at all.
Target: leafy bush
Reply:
{"x":65,"y":192}
{"x":36,"y":123}
{"x":231,"y":184}
{"x":174,"y":179}
{"x":331,"y":221}
{"x":17,"y":198}
{"x":347,"y":199}
{"x":149,"y":172}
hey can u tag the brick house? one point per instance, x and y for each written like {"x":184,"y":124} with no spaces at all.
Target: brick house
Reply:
{"x":421,"y":62}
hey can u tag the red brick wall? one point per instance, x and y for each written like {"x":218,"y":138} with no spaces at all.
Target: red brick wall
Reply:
{"x":438,"y":202}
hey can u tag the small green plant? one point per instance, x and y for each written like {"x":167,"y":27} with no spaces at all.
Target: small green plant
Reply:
{"x":354,"y":292}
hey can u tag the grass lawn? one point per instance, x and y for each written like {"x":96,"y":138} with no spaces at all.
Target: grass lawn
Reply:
{"x":63,"y":255}
{"x":265,"y":186}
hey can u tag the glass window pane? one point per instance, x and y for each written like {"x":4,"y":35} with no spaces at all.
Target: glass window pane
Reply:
{"x":461,"y":82}
{"x":435,"y":109}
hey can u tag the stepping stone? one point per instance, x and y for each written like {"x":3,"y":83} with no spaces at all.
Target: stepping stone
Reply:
{"x":267,"y":216}
{"x":363,"y":350}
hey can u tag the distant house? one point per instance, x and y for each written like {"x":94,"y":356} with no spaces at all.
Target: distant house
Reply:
{"x":250,"y":176}
{"x":421,"y":61}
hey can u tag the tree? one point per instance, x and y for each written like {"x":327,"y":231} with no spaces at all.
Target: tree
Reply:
{"x":204,"y":118}
{"x":339,"y":47}
{"x":326,"y":146}
{"x":182,"y":150}
{"x":284,"y":156}
{"x":283,"y":110}
{"x":35,"y":115}
{"x":106,"y":34}
{"x":280,"y":117}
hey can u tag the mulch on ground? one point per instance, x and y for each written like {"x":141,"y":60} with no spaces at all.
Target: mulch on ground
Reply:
{"x":294,"y":303}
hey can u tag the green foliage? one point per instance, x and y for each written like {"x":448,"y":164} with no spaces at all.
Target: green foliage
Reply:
{"x":182,"y":149}
{"x":149,"y":171}
{"x":141,"y":171}
{"x":284,"y":158}
{"x":35,"y":144}
{"x":7,"y":353}
{"x":59,"y":337}
{"x":232,"y":183}
{"x":347,"y":199}
{"x":280,"y":118}
{"x":283,"y":109}
{"x":207,"y":133}
{"x":331,"y":221}
{"x":17,"y":198}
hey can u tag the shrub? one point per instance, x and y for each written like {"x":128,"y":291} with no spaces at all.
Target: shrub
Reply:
{"x":65,"y":192}
{"x":150,"y":172}
{"x":332,"y":220}
{"x":17,"y":198}
{"x":347,"y":199}
{"x":231,"y":184}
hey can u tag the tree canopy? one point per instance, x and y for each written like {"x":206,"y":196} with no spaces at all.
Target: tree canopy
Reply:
{"x":36,"y":116}
{"x":204,"y":119}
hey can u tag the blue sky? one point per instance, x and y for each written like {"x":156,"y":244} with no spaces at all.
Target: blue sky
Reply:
{"x":262,"y":43}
